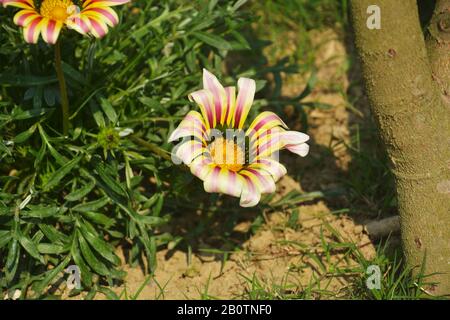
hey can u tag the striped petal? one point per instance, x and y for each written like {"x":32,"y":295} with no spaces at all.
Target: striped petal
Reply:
{"x":278,"y":139}
{"x":231,"y":104}
{"x":204,"y":100}
{"x":32,"y":30}
{"x":247,"y":88}
{"x":189,"y":150}
{"x":271,"y":166}
{"x":220,"y":180}
{"x":79,"y":23}
{"x":263,"y":122}
{"x":104,"y":3}
{"x":50,"y":30}
{"x":260,"y":178}
{"x":24,"y":17}
{"x":98,"y":27}
{"x":104,"y":14}
{"x":24,"y":4}
{"x":201,"y":166}
{"x":250,"y":195}
{"x":211,"y":83}
{"x":192,"y":125}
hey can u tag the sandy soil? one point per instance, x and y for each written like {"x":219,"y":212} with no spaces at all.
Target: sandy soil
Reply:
{"x":277,"y":256}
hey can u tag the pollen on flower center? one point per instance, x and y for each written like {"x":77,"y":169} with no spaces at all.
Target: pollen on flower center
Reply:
{"x":227,"y":154}
{"x":56,"y":9}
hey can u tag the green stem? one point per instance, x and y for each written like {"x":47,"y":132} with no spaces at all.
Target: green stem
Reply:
{"x":151,"y":147}
{"x":62,"y":88}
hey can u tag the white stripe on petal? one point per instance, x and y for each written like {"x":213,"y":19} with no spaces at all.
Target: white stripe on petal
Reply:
{"x":211,"y":83}
{"x":301,"y":149}
{"x":189,"y":150}
{"x":221,"y":180}
{"x":201,"y":166}
{"x":273,"y":167}
{"x":191,"y":125}
{"x":250,"y":196}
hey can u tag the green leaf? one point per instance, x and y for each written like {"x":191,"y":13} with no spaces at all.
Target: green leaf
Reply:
{"x":51,"y":248}
{"x":111,"y":295}
{"x":213,"y":40}
{"x":100,"y":246}
{"x":80,"y":193}
{"x":98,"y":115}
{"x":154,"y":221}
{"x":108,"y":109}
{"x":40,"y":155}
{"x":4,"y":149}
{"x":28,"y":114}
{"x":99,"y":218}
{"x":25,"y":81}
{"x":56,"y":177}
{"x":5,"y":237}
{"x":110,"y":184}
{"x":91,"y":206}
{"x":40,"y":212}
{"x":73,"y":74}
{"x":92,"y":261}
{"x":12,"y":260}
{"x":30,"y":247}
{"x":86,"y":275}
{"x":50,"y":275}
{"x":24,"y":136}
{"x":52,"y":234}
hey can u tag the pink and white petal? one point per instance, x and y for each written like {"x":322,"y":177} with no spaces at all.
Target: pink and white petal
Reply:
{"x":211,"y":83}
{"x":260,"y":178}
{"x":263,"y":122}
{"x":247,"y":89}
{"x":294,"y":137}
{"x":277,"y":140}
{"x":266,"y":143}
{"x":201,"y":166}
{"x":79,"y":23}
{"x":24,"y":4}
{"x":231,"y":104}
{"x":191,"y":125}
{"x":104,"y":3}
{"x":32,"y":30}
{"x":300,"y":149}
{"x":24,"y":17}
{"x":271,"y":166}
{"x":98,"y":27}
{"x":104,"y":14}
{"x":205,"y":101}
{"x":50,"y":30}
{"x":250,"y":195}
{"x":189,"y":150}
{"x":221,"y":180}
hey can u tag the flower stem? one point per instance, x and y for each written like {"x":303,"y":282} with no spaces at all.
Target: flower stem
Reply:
{"x":151,"y":147}
{"x":62,"y":88}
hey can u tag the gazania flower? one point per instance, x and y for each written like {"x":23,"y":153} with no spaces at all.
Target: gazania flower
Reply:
{"x":51,"y":16}
{"x":231,"y":160}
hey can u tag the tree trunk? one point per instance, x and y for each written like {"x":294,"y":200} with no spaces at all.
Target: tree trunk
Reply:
{"x":414,"y":122}
{"x":438,"y":45}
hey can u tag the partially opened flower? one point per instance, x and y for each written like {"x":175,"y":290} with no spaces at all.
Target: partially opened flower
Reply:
{"x":52,"y":16}
{"x":231,"y":160}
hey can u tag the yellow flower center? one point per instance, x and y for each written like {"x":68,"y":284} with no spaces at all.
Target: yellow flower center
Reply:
{"x":227,"y":154}
{"x":58,"y":10}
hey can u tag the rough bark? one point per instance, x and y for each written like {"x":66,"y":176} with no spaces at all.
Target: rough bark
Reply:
{"x":438,"y":45}
{"x":414,"y":123}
